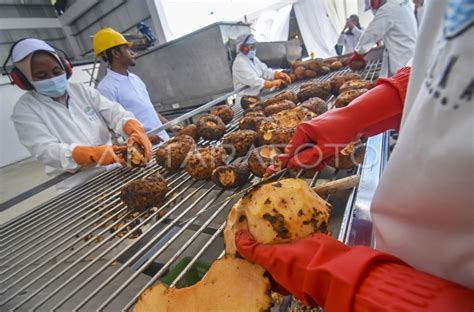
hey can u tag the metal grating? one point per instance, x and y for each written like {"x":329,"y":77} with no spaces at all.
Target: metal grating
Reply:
{"x":84,"y":251}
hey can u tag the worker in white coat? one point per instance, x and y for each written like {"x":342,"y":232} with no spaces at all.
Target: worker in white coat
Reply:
{"x":422,"y":210}
{"x":66,"y":125}
{"x":350,"y":35}
{"x":249,"y":71}
{"x":394,"y":23}
{"x":122,"y":86}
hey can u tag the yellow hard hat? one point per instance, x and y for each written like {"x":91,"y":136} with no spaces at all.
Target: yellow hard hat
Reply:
{"x":107,"y":38}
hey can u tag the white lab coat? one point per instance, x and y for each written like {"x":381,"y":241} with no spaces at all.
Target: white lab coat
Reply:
{"x":349,"y":42}
{"x":423,"y":210}
{"x":395,"y":24}
{"x":50,"y":130}
{"x":246,"y":72}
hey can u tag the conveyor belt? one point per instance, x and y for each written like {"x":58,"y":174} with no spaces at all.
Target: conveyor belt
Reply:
{"x":84,"y":250}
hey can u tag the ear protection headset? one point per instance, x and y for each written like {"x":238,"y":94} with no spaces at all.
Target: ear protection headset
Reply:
{"x":17,"y":77}
{"x":243,"y":48}
{"x":375,"y":4}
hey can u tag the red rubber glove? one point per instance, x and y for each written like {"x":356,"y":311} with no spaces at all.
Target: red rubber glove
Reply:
{"x":357,"y":57}
{"x":321,"y":270}
{"x":378,"y":110}
{"x":137,"y":135}
{"x":101,"y":155}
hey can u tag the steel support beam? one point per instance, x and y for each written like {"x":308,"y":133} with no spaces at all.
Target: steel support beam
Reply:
{"x":158,"y":18}
{"x":15,"y":23}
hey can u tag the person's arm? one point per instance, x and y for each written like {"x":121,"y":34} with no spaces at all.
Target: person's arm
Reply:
{"x":45,"y":147}
{"x":377,"y":110}
{"x":357,"y":32}
{"x":374,"y":31}
{"x":122,"y":122}
{"x":268,"y":73}
{"x":246,"y":75}
{"x":319,"y":270}
{"x":113,"y":113}
{"x":162,"y":118}
{"x":39,"y":141}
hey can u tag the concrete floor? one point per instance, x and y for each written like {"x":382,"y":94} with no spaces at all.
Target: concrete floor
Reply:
{"x":18,"y":178}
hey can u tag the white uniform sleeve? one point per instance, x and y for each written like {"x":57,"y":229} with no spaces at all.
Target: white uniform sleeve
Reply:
{"x":268,"y":73}
{"x":39,"y":141}
{"x":247,"y":76}
{"x":374,"y":32}
{"x":113,"y":113}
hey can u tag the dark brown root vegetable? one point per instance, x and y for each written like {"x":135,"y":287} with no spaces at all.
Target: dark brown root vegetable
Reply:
{"x":224,"y":112}
{"x":278,"y":107}
{"x":248,"y":101}
{"x":190,"y":130}
{"x":337,"y":81}
{"x":356,"y":84}
{"x":310,"y":73}
{"x":278,"y":136}
{"x":284,"y":95}
{"x":357,"y":65}
{"x":316,"y":105}
{"x":257,"y":113}
{"x":144,"y":193}
{"x":230,"y":176}
{"x":348,"y":96}
{"x":135,"y":156}
{"x":324,"y":70}
{"x":210,"y":127}
{"x":350,"y":156}
{"x":172,"y":153}
{"x":250,"y":123}
{"x":201,"y":162}
{"x":315,"y":89}
{"x":300,"y":72}
{"x":261,"y":158}
{"x":329,"y":61}
{"x":240,"y":142}
{"x":335,"y":65}
{"x":315,"y":65}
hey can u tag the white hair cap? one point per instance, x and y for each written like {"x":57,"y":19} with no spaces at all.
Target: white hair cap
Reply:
{"x":240,"y":40}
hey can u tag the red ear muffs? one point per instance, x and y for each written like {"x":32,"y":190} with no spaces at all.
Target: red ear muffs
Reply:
{"x":17,"y":77}
{"x":67,"y":65}
{"x":20,"y":80}
{"x":375,"y":4}
{"x":243,"y":48}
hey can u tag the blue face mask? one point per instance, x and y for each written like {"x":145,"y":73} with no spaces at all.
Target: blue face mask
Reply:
{"x":252,"y":54}
{"x":53,"y":87}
